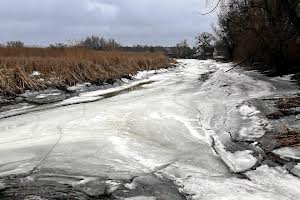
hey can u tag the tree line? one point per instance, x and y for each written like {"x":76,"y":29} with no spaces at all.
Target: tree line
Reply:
{"x":261,"y":31}
{"x":180,"y":50}
{"x":90,"y":42}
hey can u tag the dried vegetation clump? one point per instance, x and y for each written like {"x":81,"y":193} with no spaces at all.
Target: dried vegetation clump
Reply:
{"x":286,"y":107}
{"x":38,"y":68}
{"x":288,"y":103}
{"x":287,"y":138}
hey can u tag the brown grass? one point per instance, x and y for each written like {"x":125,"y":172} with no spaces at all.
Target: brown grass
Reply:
{"x":287,"y":138}
{"x":286,"y":107}
{"x":288,"y":103}
{"x":67,"y":67}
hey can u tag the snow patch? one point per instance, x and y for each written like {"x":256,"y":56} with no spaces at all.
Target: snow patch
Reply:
{"x":125,"y":80}
{"x":296,"y":170}
{"x":288,"y":152}
{"x":112,"y":186}
{"x":112,"y":90}
{"x":35,"y":73}
{"x":155,"y":115}
{"x":206,"y":185}
{"x":77,"y":100}
{"x":42,"y":96}
{"x":141,"y":198}
{"x":194,"y":130}
{"x":255,"y":126}
{"x":284,"y":77}
{"x":122,"y":147}
{"x":144,"y":74}
{"x":277,"y":180}
{"x":248,"y":111}
{"x":79,"y":86}
{"x":238,"y":161}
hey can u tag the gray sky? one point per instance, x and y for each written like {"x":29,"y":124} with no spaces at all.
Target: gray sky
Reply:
{"x":153,"y":22}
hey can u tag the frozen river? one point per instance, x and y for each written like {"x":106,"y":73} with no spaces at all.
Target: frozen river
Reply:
{"x":173,"y":128}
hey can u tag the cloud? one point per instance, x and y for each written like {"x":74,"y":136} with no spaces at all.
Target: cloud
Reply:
{"x":102,"y":9}
{"x":163,"y":22}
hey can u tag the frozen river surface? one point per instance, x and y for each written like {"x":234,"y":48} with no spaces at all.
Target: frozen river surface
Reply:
{"x":174,"y":128}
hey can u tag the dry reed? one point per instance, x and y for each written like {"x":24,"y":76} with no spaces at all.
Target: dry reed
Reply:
{"x":69,"y":66}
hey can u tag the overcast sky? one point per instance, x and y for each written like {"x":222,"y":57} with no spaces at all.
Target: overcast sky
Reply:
{"x":153,"y":22}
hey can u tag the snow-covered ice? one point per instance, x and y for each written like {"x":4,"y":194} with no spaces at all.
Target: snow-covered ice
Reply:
{"x":288,"y":152}
{"x":296,"y":170}
{"x":141,"y":198}
{"x":238,"y":161}
{"x":255,"y":126}
{"x":42,"y":96}
{"x":116,"y":89}
{"x":166,"y":127}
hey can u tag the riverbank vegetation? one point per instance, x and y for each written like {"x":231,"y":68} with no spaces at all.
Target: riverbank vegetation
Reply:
{"x":261,"y":31}
{"x":24,"y":68}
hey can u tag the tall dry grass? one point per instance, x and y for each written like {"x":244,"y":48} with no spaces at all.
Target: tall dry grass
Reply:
{"x":67,"y":67}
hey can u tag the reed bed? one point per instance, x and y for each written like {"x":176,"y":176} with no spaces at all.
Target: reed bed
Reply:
{"x":68,"y":67}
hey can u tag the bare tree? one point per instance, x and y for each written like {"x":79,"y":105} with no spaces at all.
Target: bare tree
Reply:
{"x":15,"y":44}
{"x":204,"y":39}
{"x":99,"y":43}
{"x":182,"y":49}
{"x":259,"y":29}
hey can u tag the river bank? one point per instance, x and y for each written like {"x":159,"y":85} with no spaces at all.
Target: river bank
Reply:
{"x":195,"y":131}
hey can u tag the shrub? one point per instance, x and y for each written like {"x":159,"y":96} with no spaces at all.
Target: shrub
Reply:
{"x":15,"y":44}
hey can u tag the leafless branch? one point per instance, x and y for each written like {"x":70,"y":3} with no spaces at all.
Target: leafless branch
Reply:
{"x":212,"y":9}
